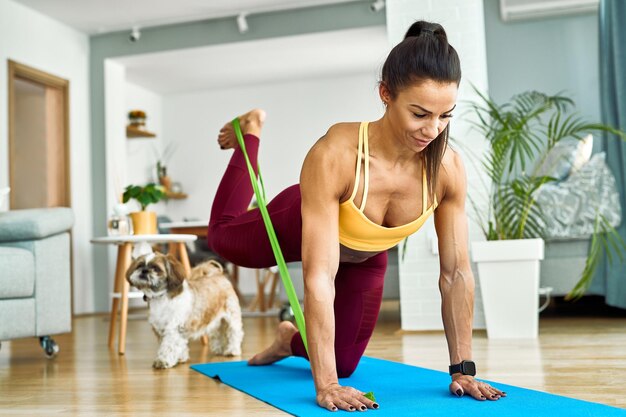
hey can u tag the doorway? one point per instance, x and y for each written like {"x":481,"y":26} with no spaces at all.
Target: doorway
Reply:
{"x":39,"y":174}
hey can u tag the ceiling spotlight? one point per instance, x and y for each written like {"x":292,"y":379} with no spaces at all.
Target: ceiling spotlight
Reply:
{"x":377,"y":5}
{"x":242,"y":22}
{"x":135,"y":34}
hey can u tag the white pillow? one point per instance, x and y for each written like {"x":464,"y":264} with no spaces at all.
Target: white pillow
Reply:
{"x":566,"y":157}
{"x":583,"y":153}
{"x":558,"y":162}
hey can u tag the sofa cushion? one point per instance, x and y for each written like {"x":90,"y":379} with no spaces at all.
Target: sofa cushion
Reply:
{"x":30,"y":224}
{"x":18,"y":318}
{"x":17,"y":275}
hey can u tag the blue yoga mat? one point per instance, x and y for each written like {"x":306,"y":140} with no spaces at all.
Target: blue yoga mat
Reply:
{"x":401,"y":390}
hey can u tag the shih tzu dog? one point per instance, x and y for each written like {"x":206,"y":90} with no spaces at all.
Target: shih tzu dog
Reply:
{"x":183,"y":308}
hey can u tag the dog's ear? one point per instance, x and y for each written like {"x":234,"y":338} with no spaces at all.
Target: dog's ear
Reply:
{"x":175,"y":274}
{"x":133,"y":266}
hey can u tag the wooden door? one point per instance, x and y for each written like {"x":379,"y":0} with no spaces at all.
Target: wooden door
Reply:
{"x":39,"y":174}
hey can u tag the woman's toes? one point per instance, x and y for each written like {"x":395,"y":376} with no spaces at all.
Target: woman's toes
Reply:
{"x":252,"y":122}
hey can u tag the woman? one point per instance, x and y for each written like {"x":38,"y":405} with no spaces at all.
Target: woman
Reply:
{"x":341,"y":224}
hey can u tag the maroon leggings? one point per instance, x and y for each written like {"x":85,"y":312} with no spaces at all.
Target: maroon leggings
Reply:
{"x":239,"y":236}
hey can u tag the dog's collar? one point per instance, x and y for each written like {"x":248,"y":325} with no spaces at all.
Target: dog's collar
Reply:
{"x":147,"y":297}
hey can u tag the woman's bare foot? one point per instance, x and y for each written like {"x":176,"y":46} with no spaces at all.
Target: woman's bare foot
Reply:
{"x":251,"y":123}
{"x":281,"y":348}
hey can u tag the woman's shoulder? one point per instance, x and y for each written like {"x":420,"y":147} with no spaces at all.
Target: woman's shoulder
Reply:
{"x":452,"y":160}
{"x":336,"y":150}
{"x":342,"y":134}
{"x":333,"y":157}
{"x":338,"y":142}
{"x":344,"y":128}
{"x":452,"y":172}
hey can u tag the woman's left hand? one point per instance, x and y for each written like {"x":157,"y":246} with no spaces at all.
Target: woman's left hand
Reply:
{"x":465,"y":384}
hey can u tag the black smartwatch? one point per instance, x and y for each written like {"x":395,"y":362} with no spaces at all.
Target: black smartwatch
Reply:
{"x":465,"y":368}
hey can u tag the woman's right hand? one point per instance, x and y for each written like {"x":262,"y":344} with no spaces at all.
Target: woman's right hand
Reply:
{"x":334,"y":397}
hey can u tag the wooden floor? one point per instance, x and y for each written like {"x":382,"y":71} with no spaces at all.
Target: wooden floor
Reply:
{"x":578,"y":357}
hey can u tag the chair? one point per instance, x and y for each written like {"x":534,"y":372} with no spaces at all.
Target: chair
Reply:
{"x":263,"y":278}
{"x":35,"y":297}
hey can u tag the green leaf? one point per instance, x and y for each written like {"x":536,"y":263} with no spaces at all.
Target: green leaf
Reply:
{"x":406,"y":240}
{"x":370,"y":396}
{"x":605,"y":239}
{"x":145,"y":195}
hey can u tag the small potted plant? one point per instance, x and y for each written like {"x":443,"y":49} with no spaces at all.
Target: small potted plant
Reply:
{"x":144,"y":222}
{"x":137,"y":118}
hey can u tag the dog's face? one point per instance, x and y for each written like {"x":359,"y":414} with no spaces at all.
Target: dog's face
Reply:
{"x":156,"y":274}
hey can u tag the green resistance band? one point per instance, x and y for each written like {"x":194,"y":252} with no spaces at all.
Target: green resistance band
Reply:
{"x":259,"y":192}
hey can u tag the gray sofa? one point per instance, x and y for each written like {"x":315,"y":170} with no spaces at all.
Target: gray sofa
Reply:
{"x":570,"y":207}
{"x":35,"y":274}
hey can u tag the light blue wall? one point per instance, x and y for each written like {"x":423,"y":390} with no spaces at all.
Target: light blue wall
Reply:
{"x":188,"y":35}
{"x":547,"y":55}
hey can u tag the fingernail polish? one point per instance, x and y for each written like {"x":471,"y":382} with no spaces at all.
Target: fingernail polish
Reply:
{"x":459,"y":392}
{"x":352,"y":408}
{"x":334,"y":408}
{"x":483,"y":397}
{"x":375,"y":405}
{"x":363,"y":408}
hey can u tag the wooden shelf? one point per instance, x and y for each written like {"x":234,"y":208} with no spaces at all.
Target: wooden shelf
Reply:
{"x":175,"y":196}
{"x":137,"y":132}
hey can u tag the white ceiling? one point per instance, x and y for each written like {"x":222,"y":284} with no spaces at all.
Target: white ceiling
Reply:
{"x":221,"y":66}
{"x":100,"y":16}
{"x":263,"y":61}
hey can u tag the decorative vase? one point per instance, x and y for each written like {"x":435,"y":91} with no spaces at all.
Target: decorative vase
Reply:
{"x":508,"y":272}
{"x":137,"y":121}
{"x":119,"y":223}
{"x":166,"y":182}
{"x":144,"y":222}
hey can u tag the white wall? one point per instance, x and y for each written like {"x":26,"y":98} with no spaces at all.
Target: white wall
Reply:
{"x":115,"y":131}
{"x":128,"y":161}
{"x":33,"y":39}
{"x":298,"y":113}
{"x":463,"y":21}
{"x":143,"y":153}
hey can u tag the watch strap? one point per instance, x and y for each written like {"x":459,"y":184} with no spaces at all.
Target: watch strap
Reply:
{"x":465,"y":368}
{"x":455,"y":369}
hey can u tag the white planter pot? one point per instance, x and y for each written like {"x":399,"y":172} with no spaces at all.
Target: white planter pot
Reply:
{"x":509,"y":283}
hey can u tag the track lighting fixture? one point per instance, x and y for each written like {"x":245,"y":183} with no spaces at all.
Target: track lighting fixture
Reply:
{"x":242,"y":23}
{"x":377,"y":5}
{"x":135,"y":34}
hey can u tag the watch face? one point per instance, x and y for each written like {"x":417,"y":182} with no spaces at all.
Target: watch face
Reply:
{"x":469,"y":368}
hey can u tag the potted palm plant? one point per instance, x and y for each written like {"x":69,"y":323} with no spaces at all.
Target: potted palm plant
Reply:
{"x":519,"y":132}
{"x":144,"y":222}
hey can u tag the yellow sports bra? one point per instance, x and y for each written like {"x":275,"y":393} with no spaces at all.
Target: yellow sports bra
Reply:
{"x":358,"y":232}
